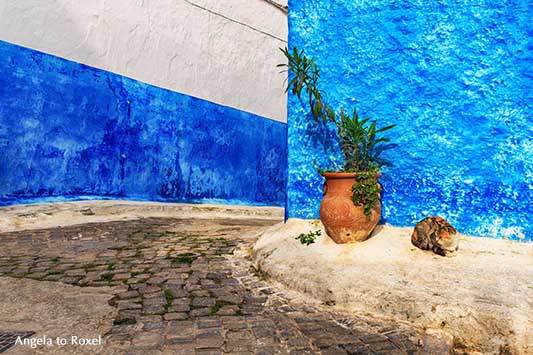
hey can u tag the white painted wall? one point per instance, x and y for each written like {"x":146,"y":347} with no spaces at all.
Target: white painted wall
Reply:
{"x":168,"y":43}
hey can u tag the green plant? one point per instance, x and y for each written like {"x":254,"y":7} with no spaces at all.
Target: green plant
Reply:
{"x":185,"y":258}
{"x":366,"y":191}
{"x":218,"y":305}
{"x":260,"y":274}
{"x":310,"y":237}
{"x":358,"y":138}
{"x":360,"y":143}
{"x":169,"y":296}
{"x":124,"y":321}
{"x":108,"y":276}
{"x":306,"y":75}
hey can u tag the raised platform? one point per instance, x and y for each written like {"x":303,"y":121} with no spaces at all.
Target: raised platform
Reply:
{"x":483,"y":296}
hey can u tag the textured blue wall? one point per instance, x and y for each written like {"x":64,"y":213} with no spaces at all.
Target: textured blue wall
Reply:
{"x":457,"y":78}
{"x":67,"y":129}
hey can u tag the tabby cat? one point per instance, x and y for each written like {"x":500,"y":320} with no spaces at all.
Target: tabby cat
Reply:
{"x":436,"y":234}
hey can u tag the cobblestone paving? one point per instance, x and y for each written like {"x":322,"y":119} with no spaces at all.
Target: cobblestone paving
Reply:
{"x":181,"y":290}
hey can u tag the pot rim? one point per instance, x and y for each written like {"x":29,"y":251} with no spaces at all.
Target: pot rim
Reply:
{"x":342,"y":175}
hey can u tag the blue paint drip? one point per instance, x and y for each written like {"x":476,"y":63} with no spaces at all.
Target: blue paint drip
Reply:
{"x":68,"y":130}
{"x":456,"y":77}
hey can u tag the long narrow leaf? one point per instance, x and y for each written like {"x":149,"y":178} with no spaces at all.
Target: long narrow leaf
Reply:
{"x":385,"y":128}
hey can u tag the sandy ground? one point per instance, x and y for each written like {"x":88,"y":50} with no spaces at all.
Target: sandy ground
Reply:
{"x":49,"y":215}
{"x":483,"y":296}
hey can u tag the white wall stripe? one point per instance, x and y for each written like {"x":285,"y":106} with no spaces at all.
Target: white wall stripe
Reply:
{"x":229,"y":58}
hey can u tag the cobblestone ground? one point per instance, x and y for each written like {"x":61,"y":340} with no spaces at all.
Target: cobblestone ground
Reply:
{"x":181,"y":290}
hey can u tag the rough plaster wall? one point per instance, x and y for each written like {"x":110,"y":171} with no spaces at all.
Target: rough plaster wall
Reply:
{"x":456,"y":77}
{"x":67,"y":130}
{"x":168,"y":43}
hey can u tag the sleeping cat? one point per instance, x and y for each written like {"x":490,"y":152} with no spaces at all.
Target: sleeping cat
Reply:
{"x":436,"y":234}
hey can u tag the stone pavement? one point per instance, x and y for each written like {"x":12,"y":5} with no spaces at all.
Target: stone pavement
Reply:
{"x":184,"y":286}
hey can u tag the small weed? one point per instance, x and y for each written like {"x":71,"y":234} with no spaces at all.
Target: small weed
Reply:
{"x":185,"y":258}
{"x":217,"y":307}
{"x":260,"y":274}
{"x":309,"y":238}
{"x":108,"y":276}
{"x":168,"y":296}
{"x":124,"y":321}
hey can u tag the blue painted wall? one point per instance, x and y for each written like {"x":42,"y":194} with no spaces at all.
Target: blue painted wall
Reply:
{"x":67,"y":130}
{"x":457,"y":78}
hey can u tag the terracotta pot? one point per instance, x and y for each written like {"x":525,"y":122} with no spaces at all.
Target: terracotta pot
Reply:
{"x":345,"y":222}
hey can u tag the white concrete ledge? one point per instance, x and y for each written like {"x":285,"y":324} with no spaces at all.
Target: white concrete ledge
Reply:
{"x":483,"y":296}
{"x":49,"y":215}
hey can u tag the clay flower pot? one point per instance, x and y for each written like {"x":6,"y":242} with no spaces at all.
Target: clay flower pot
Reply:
{"x":344,"y":221}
